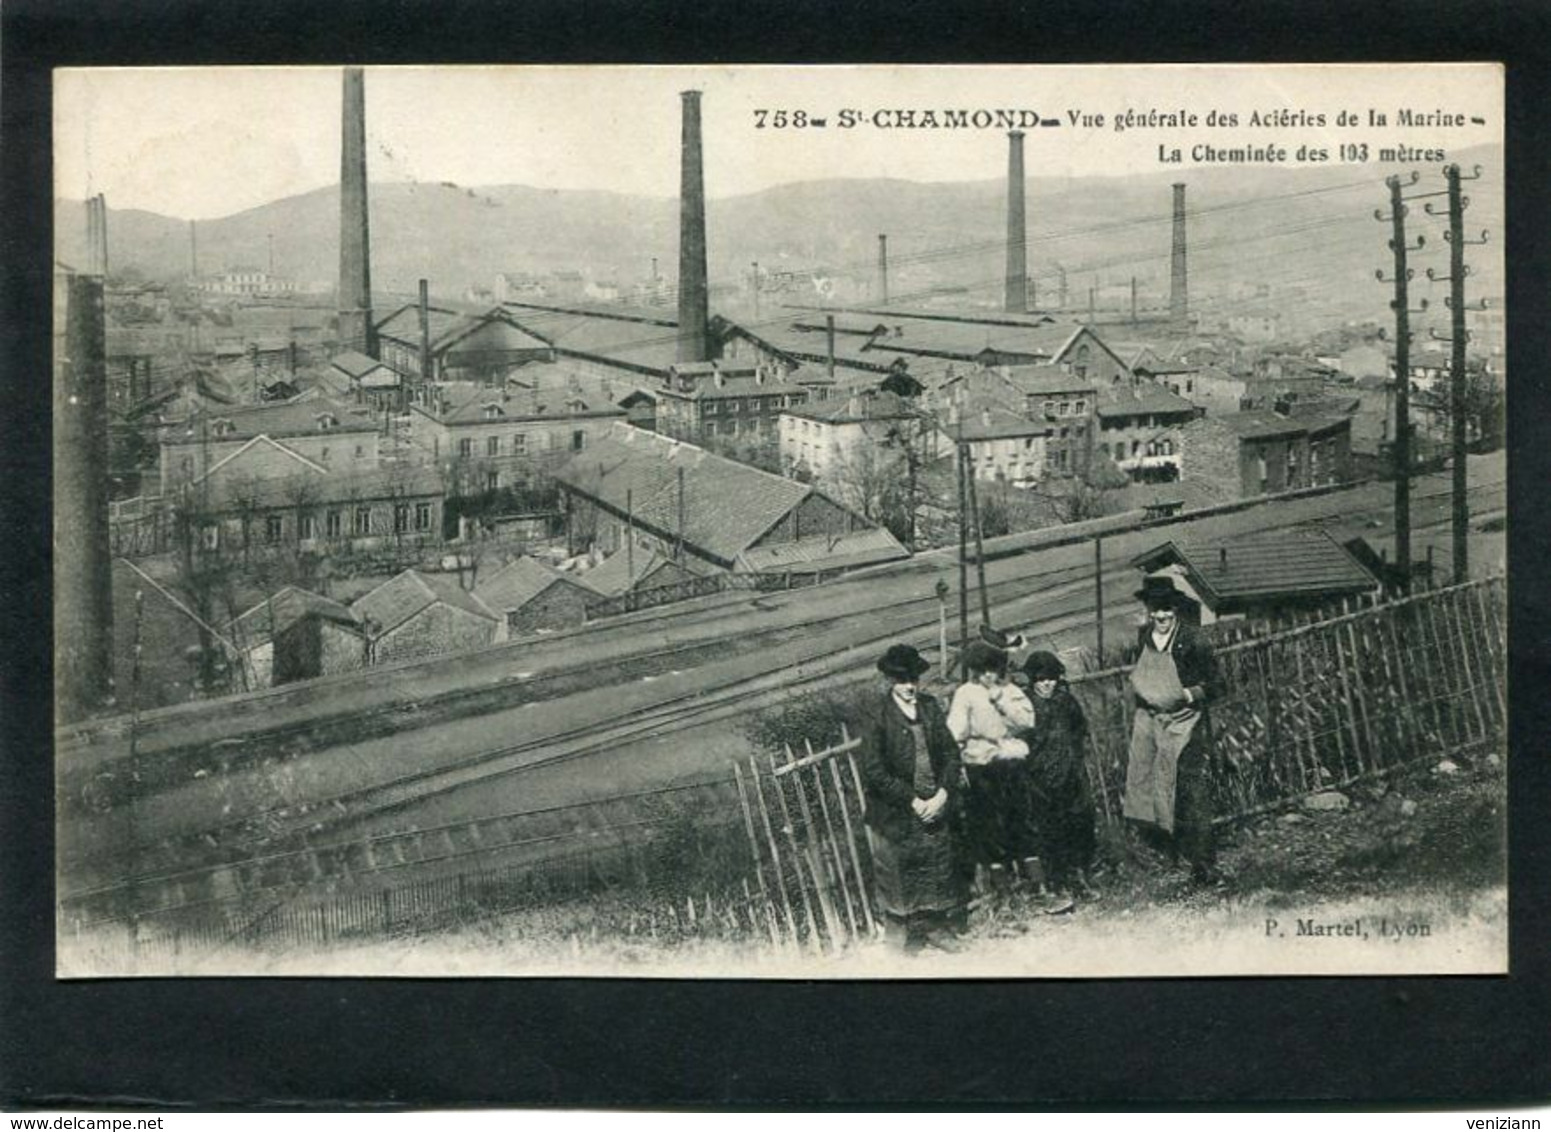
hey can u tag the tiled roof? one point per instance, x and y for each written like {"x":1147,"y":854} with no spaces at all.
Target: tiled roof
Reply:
{"x":876,"y":406}
{"x":401,"y":597}
{"x":613,"y":575}
{"x":813,"y":346}
{"x":968,"y":340}
{"x":727,"y":505}
{"x":355,"y":363}
{"x":282,"y":610}
{"x":309,"y":488}
{"x":1040,"y":379}
{"x":287,"y":418}
{"x":825,"y":552}
{"x":519,"y":582}
{"x":1258,"y":424}
{"x":1144,"y":397}
{"x":472,"y":406}
{"x":993,"y":422}
{"x":1290,"y":562}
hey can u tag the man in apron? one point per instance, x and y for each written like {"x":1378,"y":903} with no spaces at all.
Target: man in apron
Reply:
{"x":1169,"y":774}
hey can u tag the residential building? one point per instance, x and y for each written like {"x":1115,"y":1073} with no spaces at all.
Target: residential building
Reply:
{"x":686,"y":503}
{"x":834,"y":441}
{"x":324,"y":433}
{"x":1262,"y":574}
{"x":489,"y":440}
{"x":705,"y":401}
{"x":530,"y":597}
{"x":415,"y":615}
{"x":1139,"y":429}
{"x":1003,"y":444}
{"x":1046,"y":393}
{"x":1262,"y":451}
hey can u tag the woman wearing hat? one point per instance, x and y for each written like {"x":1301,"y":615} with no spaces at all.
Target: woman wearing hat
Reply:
{"x":910,"y":772}
{"x":1168,"y":776}
{"x":1060,"y":802}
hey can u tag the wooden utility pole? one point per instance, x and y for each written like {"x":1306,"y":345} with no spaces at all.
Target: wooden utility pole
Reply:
{"x":980,"y":549}
{"x":629,"y":540}
{"x":963,"y":558}
{"x":1458,"y":336}
{"x":678,"y":555}
{"x":1400,"y":304}
{"x":1098,"y":594}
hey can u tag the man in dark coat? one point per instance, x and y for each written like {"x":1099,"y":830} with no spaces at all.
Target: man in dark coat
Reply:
{"x":1169,"y":772}
{"x":910,"y":771}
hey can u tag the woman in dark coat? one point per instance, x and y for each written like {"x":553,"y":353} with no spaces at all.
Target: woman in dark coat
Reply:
{"x":1060,"y":802}
{"x":1169,"y":772}
{"x":911,"y":777}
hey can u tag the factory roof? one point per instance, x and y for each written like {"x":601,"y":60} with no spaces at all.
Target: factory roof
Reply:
{"x":286,"y":418}
{"x":989,"y":421}
{"x":824,"y":552}
{"x":858,"y":408}
{"x":1034,"y":380}
{"x":623,"y":570}
{"x":727,"y":506}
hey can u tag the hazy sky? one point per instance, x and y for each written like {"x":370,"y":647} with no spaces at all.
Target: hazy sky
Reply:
{"x":203,"y":143}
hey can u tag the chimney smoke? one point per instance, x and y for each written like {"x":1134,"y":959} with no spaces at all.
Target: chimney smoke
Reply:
{"x":694,"y":300}
{"x":356,"y":330}
{"x":1017,"y":293}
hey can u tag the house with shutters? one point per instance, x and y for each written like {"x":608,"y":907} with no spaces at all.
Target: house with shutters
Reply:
{"x":1263,"y":451}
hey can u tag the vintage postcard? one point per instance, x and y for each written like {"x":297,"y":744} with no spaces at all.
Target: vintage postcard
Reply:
{"x":839,"y":522}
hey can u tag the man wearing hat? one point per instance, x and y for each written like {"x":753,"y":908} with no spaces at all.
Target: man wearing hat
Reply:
{"x":1168,"y":775}
{"x":910,"y":771}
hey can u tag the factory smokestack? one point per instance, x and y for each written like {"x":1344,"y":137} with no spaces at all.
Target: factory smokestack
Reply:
{"x":97,"y":235}
{"x":356,"y":331}
{"x":883,"y":269}
{"x":426,"y":363}
{"x":1179,"y":285}
{"x":694,"y":300}
{"x":83,"y":579}
{"x":1017,"y":239}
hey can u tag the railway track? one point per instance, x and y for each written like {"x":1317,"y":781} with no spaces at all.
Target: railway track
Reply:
{"x":305,"y":841}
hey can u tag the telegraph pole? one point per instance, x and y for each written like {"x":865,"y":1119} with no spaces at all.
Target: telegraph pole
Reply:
{"x":1400,"y":304}
{"x":963,"y":557}
{"x":980,"y":547}
{"x":1458,"y":272}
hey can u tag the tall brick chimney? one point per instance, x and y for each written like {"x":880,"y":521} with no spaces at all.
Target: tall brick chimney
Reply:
{"x":356,"y":331}
{"x":83,"y":578}
{"x":694,"y":299}
{"x":1017,"y":298}
{"x":1179,"y":283}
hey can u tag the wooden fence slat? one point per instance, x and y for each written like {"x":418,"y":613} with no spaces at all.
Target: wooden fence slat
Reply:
{"x":754,"y":846}
{"x":796,"y":850}
{"x":1347,"y":672}
{"x":814,"y":855}
{"x":835,"y":857}
{"x":1491,"y":639}
{"x":1467,"y":642}
{"x":775,"y":850}
{"x":1442,"y":670}
{"x":856,"y":861}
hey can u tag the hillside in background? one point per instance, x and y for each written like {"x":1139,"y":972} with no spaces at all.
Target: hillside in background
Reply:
{"x":1307,"y":228}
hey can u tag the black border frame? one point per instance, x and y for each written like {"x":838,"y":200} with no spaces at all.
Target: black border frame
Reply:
{"x":368,"y":1044}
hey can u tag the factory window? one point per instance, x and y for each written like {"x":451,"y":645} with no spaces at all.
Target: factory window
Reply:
{"x":491,"y":412}
{"x":712,"y":408}
{"x":1061,"y":459}
{"x":334,"y":523}
{"x":519,"y":443}
{"x":492,"y":446}
{"x":492,"y":481}
{"x":274,"y":528}
{"x":465,"y":447}
{"x":400,"y":518}
{"x":578,"y":440}
{"x":363,"y":520}
{"x":1050,"y":408}
{"x":308,"y":526}
{"x":1066,"y":408}
{"x":422,"y":516}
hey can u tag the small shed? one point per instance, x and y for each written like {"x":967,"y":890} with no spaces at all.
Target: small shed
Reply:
{"x":1263,"y":574}
{"x":297,"y":635}
{"x":418,"y":614}
{"x":530,"y":596}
